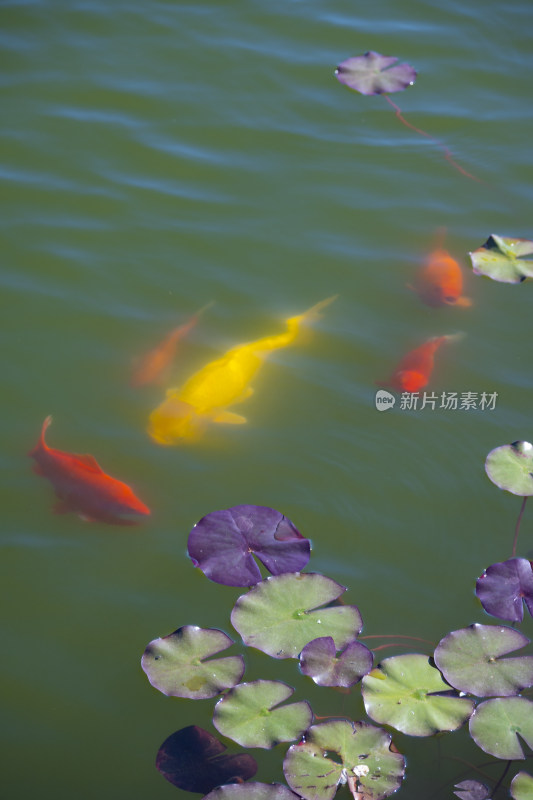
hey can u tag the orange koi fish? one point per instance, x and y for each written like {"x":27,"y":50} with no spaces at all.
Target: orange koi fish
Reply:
{"x":156,"y":360}
{"x":83,"y":487}
{"x":414,"y":370}
{"x":439,"y":282}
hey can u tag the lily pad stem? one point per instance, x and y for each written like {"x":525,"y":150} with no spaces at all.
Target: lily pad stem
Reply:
{"x":517,"y":527}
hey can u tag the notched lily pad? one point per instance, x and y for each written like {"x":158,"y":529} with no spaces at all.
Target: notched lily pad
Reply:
{"x":281,"y":614}
{"x":222,"y":544}
{"x":510,"y":467}
{"x":522,"y":786}
{"x":408,"y":693}
{"x":497,"y":726}
{"x":250,"y":714}
{"x":318,"y":660}
{"x":470,"y":659}
{"x":252,"y":791}
{"x":472,"y":790}
{"x":176,"y":665}
{"x":373,"y":73}
{"x":503,"y":259}
{"x":505,"y":587}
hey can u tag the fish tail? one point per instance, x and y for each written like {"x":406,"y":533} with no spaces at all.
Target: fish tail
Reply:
{"x":464,"y":302}
{"x":439,"y":237}
{"x":204,"y":308}
{"x":311,"y":315}
{"x":41,"y":444}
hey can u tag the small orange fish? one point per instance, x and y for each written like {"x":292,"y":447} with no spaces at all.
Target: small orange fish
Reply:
{"x":82,"y":486}
{"x":439,"y":282}
{"x":414,"y":370}
{"x":156,"y":360}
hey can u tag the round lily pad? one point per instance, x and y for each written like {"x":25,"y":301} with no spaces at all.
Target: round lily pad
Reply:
{"x":409,"y":694}
{"x":505,"y":587}
{"x":510,"y":467}
{"x":522,"y":786}
{"x":503,"y":259}
{"x":470,"y":659}
{"x":373,"y":73}
{"x":252,"y":791}
{"x":250,"y":714}
{"x":363,"y":757}
{"x":472,"y":790}
{"x":222,"y":544}
{"x":281,"y":614}
{"x":319,"y":661}
{"x":175,"y":664}
{"x":497,"y":726}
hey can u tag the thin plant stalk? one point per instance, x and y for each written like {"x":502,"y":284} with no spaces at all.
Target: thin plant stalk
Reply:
{"x":517,"y":527}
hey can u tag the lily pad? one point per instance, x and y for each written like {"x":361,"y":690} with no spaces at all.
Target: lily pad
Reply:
{"x":281,"y":614}
{"x":497,"y":724}
{"x":194,"y":760}
{"x":373,"y":73}
{"x":363,"y":757}
{"x":470,"y":659}
{"x":175,"y":664}
{"x":250,"y":714}
{"x":409,"y":694}
{"x":472,"y":790}
{"x":319,"y":661}
{"x":505,"y":587}
{"x":510,"y":467}
{"x":522,"y":786}
{"x":252,"y":791}
{"x":222,"y":545}
{"x":502,"y":259}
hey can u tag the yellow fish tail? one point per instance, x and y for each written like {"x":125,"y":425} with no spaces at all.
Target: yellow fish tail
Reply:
{"x":308,"y":317}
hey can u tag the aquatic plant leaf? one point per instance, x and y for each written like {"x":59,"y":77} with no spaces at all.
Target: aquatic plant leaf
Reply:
{"x":409,"y":694}
{"x":175,"y":664}
{"x":252,"y":791}
{"x":472,"y":790}
{"x":502,"y":259}
{"x":373,"y":73}
{"x":250,"y":714}
{"x":505,"y":587}
{"x":222,"y":545}
{"x":497,"y":724}
{"x":522,"y":786}
{"x":319,"y":661}
{"x":194,"y":760}
{"x":470,"y":659}
{"x":510,"y":467}
{"x":281,"y":614}
{"x":364,"y":753}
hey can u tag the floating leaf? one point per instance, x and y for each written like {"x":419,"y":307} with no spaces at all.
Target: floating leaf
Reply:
{"x":280,"y":615}
{"x":364,"y":753}
{"x":510,"y":467}
{"x":252,"y":791}
{"x":194,"y":760}
{"x":502,"y":259}
{"x":505,"y":587}
{"x":373,"y":73}
{"x":175,"y":664}
{"x":472,"y":790}
{"x":522,"y":786}
{"x":250,"y":714}
{"x":409,"y":694}
{"x":319,"y":661}
{"x":470,"y":660}
{"x":221,"y":544}
{"x":496,"y":725}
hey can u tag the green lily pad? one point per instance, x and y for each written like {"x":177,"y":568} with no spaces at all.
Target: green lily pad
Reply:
{"x":522,"y":786}
{"x":175,"y":664}
{"x":510,"y":467}
{"x":282,"y":613}
{"x":366,"y":761}
{"x":409,"y":694}
{"x":502,"y":259}
{"x":470,"y":659}
{"x":250,"y":714}
{"x":471,"y":790}
{"x":497,"y":724}
{"x":252,"y":791}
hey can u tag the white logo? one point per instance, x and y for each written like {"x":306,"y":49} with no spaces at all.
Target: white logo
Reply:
{"x":384,"y":400}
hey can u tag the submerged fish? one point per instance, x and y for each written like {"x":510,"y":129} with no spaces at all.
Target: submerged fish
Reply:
{"x":439,"y":282}
{"x":207,"y":395}
{"x":153,"y":364}
{"x":414,"y":370}
{"x":83,"y":487}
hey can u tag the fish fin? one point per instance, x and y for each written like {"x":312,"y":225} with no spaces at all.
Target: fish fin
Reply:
{"x":465,"y":302}
{"x":410,"y":287}
{"x":89,"y":462}
{"x":62,"y":507}
{"x":248,"y":392}
{"x":229,"y":418}
{"x":37,"y":469}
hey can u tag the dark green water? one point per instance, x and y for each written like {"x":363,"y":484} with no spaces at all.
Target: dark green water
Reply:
{"x":157,"y":156}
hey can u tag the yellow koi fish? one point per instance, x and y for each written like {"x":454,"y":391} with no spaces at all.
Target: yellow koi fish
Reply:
{"x":206,"y":396}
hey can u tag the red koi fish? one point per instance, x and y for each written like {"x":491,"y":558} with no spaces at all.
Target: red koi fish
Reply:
{"x":156,"y":360}
{"x":439,"y":282}
{"x":83,"y":487}
{"x":414,"y":370}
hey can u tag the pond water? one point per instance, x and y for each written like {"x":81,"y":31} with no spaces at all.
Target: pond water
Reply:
{"x":159,"y":156}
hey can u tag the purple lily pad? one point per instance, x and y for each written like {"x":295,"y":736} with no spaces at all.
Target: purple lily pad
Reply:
{"x":504,"y":587}
{"x":222,"y":545}
{"x":471,"y":790}
{"x":319,"y":661}
{"x":194,"y":760}
{"x":373,"y":73}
